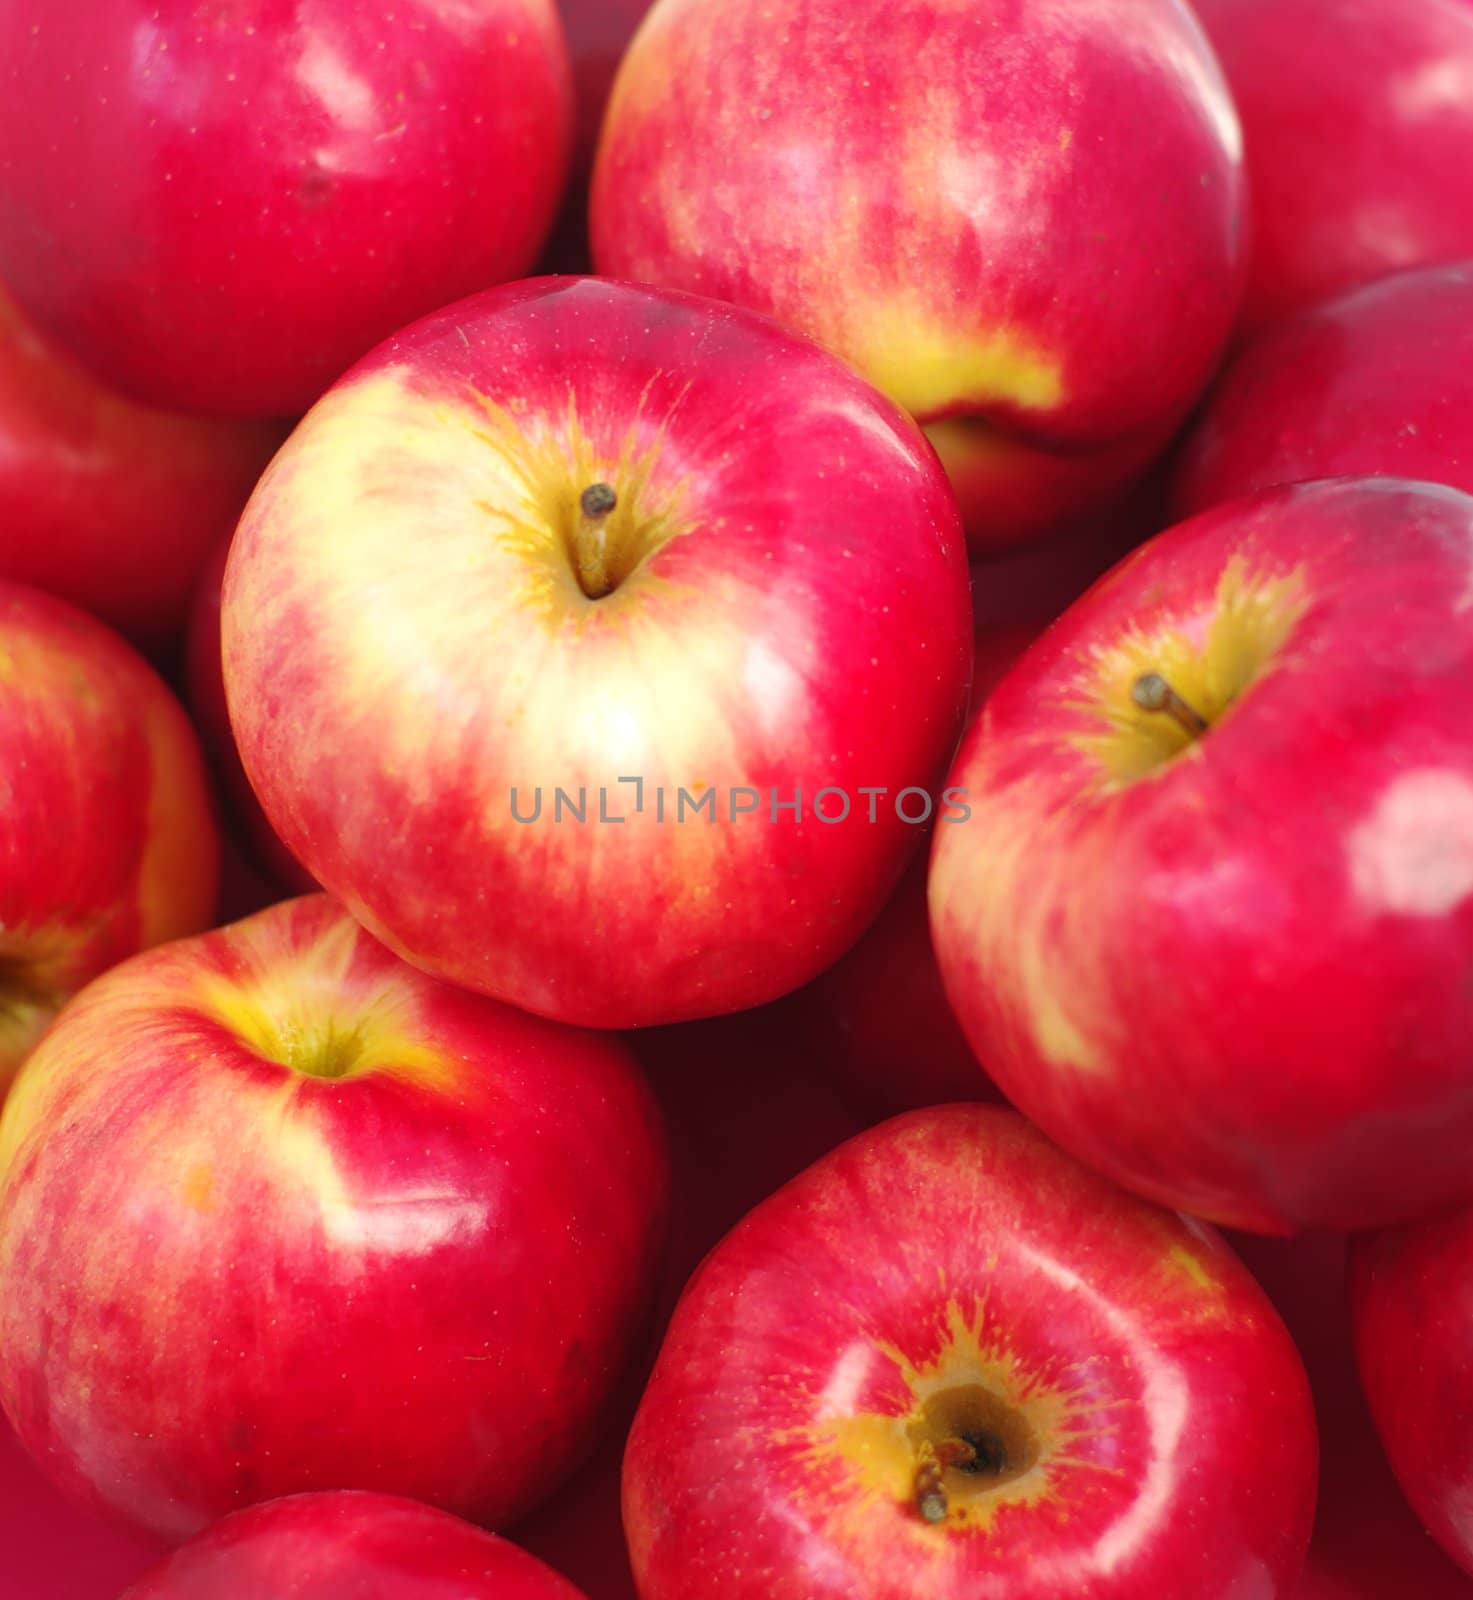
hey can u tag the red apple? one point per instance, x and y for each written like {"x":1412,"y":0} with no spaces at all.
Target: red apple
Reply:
{"x":1022,"y":222}
{"x":279,"y":1213}
{"x":1121,"y":1409}
{"x":108,"y":841}
{"x":1209,"y":919}
{"x":349,"y":1546}
{"x":1367,"y":1545}
{"x":1357,"y":124}
{"x":747,"y":1109}
{"x":878,"y":1020}
{"x":106,"y":503}
{"x":621,"y":766}
{"x":54,"y":1549}
{"x":598,"y":33}
{"x":1379,"y":381}
{"x":1412,"y":1303}
{"x":205,"y":679}
{"x":221,"y":204}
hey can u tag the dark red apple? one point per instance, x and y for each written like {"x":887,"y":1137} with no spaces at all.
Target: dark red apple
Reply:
{"x":1210,"y":918}
{"x":279,"y":1213}
{"x":349,"y":1546}
{"x":1358,"y":125}
{"x":220,"y":205}
{"x":1376,"y":382}
{"x":107,"y":503}
{"x":1412,"y":1303}
{"x":1367,"y":1544}
{"x":946,"y":1360}
{"x":108,"y":837}
{"x":205,"y":681}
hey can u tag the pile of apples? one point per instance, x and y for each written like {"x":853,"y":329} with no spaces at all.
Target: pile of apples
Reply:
{"x":829,"y":661}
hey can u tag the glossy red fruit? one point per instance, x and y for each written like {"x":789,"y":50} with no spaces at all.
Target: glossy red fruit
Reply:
{"x":1358,"y":128}
{"x":205,"y":684}
{"x":107,"y":503}
{"x":1412,"y":1301}
{"x":580,"y":760}
{"x":219,"y":205}
{"x":949,"y":1282}
{"x":1020,"y":221}
{"x":347,"y":1546}
{"x":1367,"y":1543}
{"x":1226,"y":967}
{"x":279,"y":1213}
{"x":1378,"y":381}
{"x":108,"y":839}
{"x":54,"y":1548}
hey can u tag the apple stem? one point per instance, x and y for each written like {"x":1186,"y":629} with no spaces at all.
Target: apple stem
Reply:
{"x":933,"y":1461}
{"x":1151,"y":692}
{"x":592,"y":543}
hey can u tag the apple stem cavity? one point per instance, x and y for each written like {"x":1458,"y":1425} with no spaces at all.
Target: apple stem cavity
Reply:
{"x":591,"y":551}
{"x":1151,"y":692}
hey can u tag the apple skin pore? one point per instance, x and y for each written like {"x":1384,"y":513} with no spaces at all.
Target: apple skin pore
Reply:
{"x":412,"y":654}
{"x":1230,"y":973}
{"x":1021,"y":221}
{"x":278,"y":1213}
{"x":953,"y":1255}
{"x":271,"y":187}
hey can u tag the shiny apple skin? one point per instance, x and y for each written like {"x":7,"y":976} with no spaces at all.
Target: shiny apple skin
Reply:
{"x":1235,"y":981}
{"x":231,"y":1280}
{"x":1376,"y":382}
{"x":1412,"y":1308}
{"x":805,"y":624}
{"x":1181,"y":1458}
{"x":346,"y":1545}
{"x":205,"y":684}
{"x":108,"y":839}
{"x":219,"y":205}
{"x":1357,"y":125}
{"x":1032,"y":236}
{"x":878,"y":1021}
{"x":107,"y":503}
{"x":1367,"y":1544}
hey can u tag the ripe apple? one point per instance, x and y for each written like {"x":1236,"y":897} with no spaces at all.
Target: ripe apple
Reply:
{"x":878,"y":1020}
{"x":56,"y":1550}
{"x":1357,"y":123}
{"x":220,"y":204}
{"x":747,"y":1109}
{"x":280,"y":1213}
{"x":1367,"y":1545}
{"x":349,"y":1546}
{"x":1211,"y":915}
{"x":1378,"y":381}
{"x":108,"y":841}
{"x":205,"y":681}
{"x":1412,"y":1305}
{"x":107,"y":503}
{"x":945,"y":1360}
{"x":1022,"y":222}
{"x":590,"y":603}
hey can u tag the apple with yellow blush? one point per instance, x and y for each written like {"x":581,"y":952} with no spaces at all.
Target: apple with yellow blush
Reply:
{"x":1022,"y":222}
{"x":1210,"y":918}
